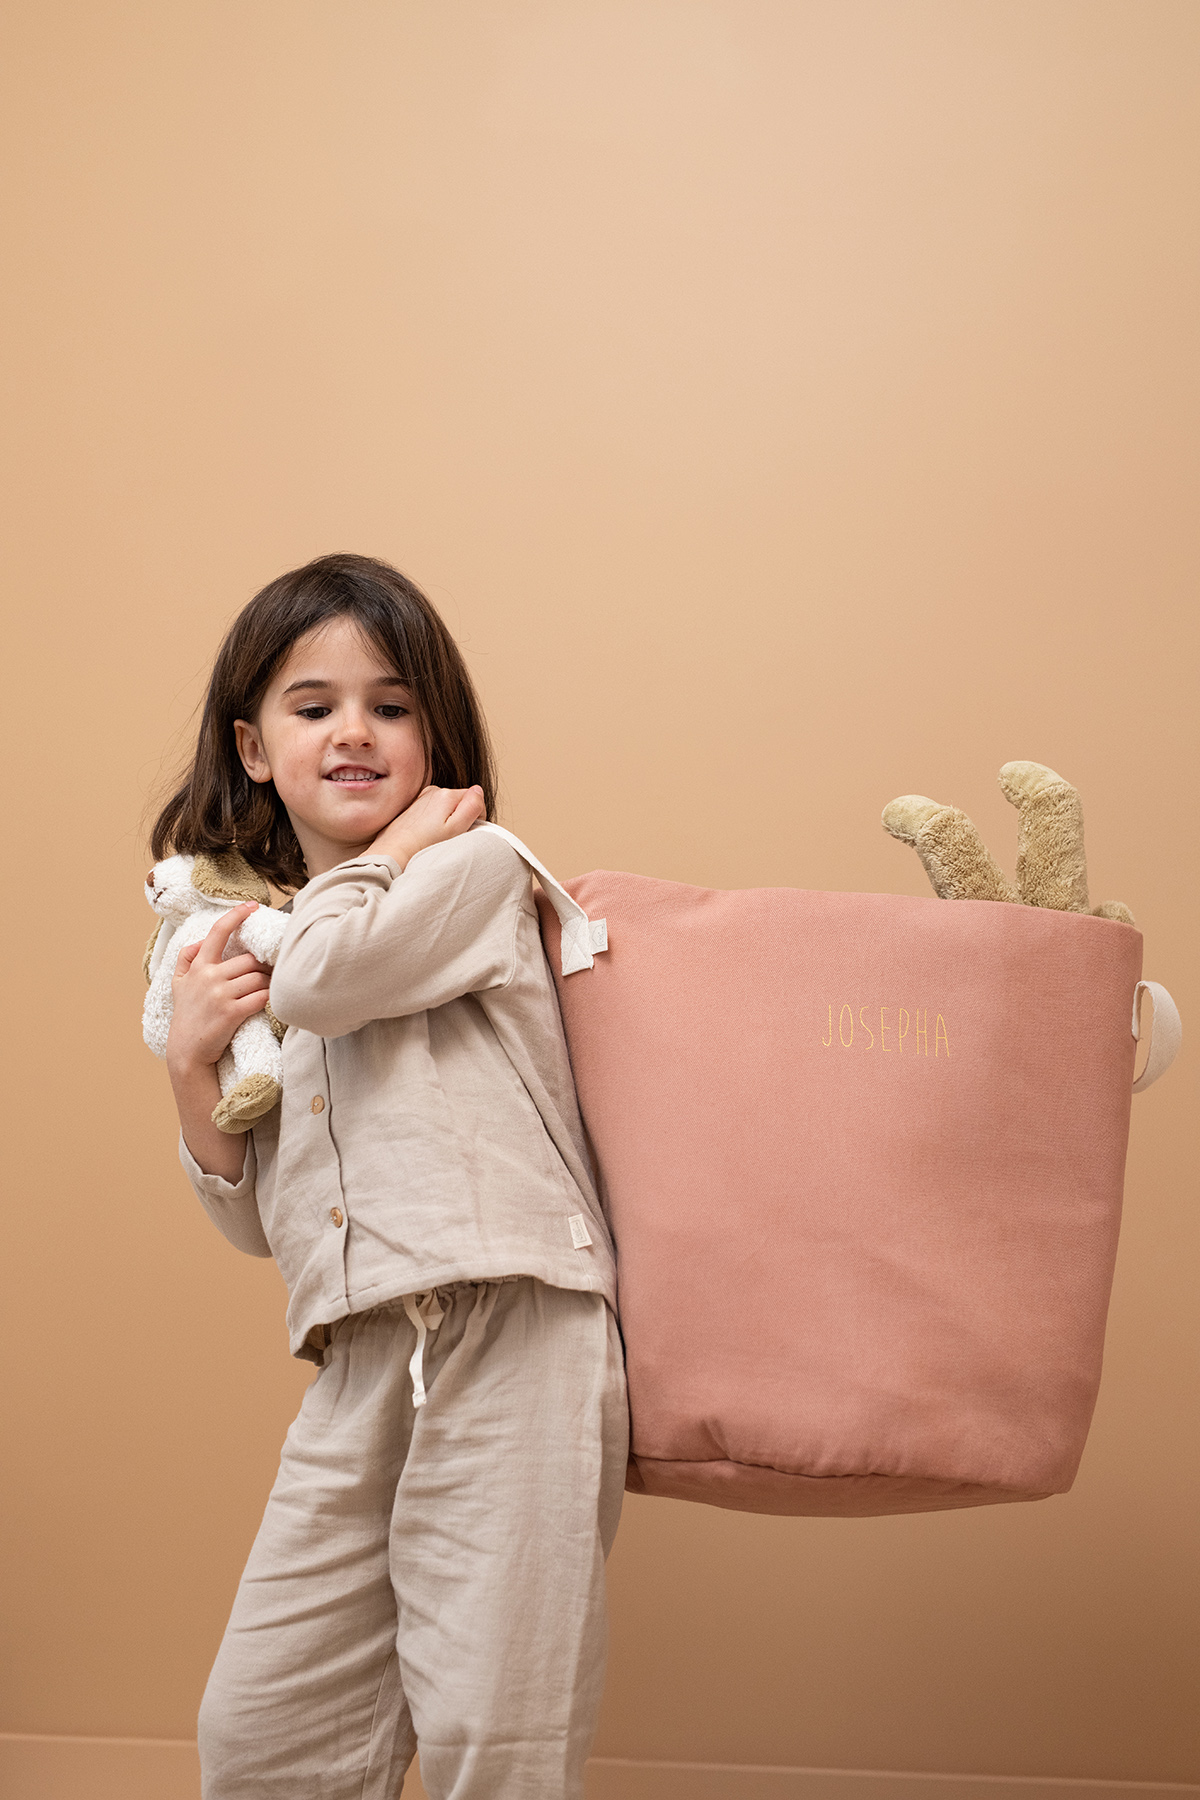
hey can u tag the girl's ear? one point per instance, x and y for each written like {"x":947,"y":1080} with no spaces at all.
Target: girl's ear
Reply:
{"x":250,"y":749}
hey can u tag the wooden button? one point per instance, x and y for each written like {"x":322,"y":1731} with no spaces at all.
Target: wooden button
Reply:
{"x":335,"y":1213}
{"x":318,"y":1103}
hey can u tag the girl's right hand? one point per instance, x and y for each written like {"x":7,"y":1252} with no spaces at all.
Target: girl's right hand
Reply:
{"x":211,"y":997}
{"x":436,"y":815}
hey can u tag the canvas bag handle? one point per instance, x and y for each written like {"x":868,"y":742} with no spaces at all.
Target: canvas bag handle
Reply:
{"x":1166,"y":1033}
{"x":583,"y":939}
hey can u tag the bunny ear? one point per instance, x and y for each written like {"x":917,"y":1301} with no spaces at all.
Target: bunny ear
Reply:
{"x":156,"y":949}
{"x":148,"y":962}
{"x":227,"y":875}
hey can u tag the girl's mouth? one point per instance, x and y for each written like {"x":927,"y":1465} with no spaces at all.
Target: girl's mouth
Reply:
{"x":350,"y":777}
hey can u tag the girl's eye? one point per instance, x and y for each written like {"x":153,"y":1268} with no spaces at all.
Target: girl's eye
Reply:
{"x":391,"y":710}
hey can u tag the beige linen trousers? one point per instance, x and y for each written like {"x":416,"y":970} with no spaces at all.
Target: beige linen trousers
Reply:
{"x":432,"y":1575}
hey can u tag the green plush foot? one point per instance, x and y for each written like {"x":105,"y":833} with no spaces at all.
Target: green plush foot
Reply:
{"x":1051,"y":864}
{"x":905,"y":817}
{"x":1025,"y":781}
{"x":956,"y":860}
{"x":253,"y":1096}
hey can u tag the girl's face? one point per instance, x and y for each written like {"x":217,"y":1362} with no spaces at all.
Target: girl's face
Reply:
{"x":338,"y":734}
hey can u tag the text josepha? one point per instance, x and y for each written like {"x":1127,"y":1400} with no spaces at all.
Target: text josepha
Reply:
{"x":888,"y":1028}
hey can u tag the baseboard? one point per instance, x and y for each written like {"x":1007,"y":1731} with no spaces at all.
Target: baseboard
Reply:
{"x":615,"y":1778}
{"x":98,"y":1768}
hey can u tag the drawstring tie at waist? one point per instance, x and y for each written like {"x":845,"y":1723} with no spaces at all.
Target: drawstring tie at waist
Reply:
{"x":425,"y":1315}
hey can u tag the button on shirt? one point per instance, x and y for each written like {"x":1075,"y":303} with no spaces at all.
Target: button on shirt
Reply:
{"x":428,"y":1130}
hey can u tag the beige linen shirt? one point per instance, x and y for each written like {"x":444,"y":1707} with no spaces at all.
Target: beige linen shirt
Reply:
{"x":429,"y":1130}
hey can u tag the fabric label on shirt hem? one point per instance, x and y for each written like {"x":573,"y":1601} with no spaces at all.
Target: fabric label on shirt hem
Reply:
{"x":580,"y":1235}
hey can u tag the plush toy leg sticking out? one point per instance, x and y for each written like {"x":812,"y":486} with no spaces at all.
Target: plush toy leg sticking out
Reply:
{"x":1051,"y":865}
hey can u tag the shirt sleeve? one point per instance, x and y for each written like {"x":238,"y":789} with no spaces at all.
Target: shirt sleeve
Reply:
{"x":232,"y":1207}
{"x":370,"y":941}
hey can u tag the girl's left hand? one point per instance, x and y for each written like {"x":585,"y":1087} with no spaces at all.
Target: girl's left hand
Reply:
{"x":211,"y":998}
{"x":436,"y":815}
{"x":211,"y":995}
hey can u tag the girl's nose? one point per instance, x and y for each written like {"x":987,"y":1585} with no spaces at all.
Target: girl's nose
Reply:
{"x":354,"y":726}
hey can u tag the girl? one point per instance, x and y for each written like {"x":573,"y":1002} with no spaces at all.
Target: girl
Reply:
{"x":430,"y":1564}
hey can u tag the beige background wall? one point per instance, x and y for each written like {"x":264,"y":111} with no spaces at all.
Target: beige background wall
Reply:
{"x":790,"y":403}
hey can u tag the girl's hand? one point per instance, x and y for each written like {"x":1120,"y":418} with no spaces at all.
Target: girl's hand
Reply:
{"x":436,"y":815}
{"x":211,"y":997}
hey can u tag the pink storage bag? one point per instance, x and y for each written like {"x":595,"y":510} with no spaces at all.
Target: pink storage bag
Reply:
{"x":863,"y":1159}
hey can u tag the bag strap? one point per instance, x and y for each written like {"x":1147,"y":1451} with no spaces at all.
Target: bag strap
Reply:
{"x":1166,"y":1032}
{"x":582,"y":938}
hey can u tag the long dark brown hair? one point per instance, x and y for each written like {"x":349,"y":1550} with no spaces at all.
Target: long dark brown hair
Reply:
{"x":218,"y":806}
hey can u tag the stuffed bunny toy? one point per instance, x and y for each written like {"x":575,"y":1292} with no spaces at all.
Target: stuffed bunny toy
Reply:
{"x":190,"y":893}
{"x":1051,"y":866}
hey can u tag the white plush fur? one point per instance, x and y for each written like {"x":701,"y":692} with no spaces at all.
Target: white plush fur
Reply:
{"x":187,"y":917}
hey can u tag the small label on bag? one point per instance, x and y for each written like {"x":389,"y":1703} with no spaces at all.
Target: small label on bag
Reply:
{"x":580,"y":1235}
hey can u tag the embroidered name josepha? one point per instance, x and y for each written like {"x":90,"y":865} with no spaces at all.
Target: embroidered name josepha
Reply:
{"x":909,"y":1032}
